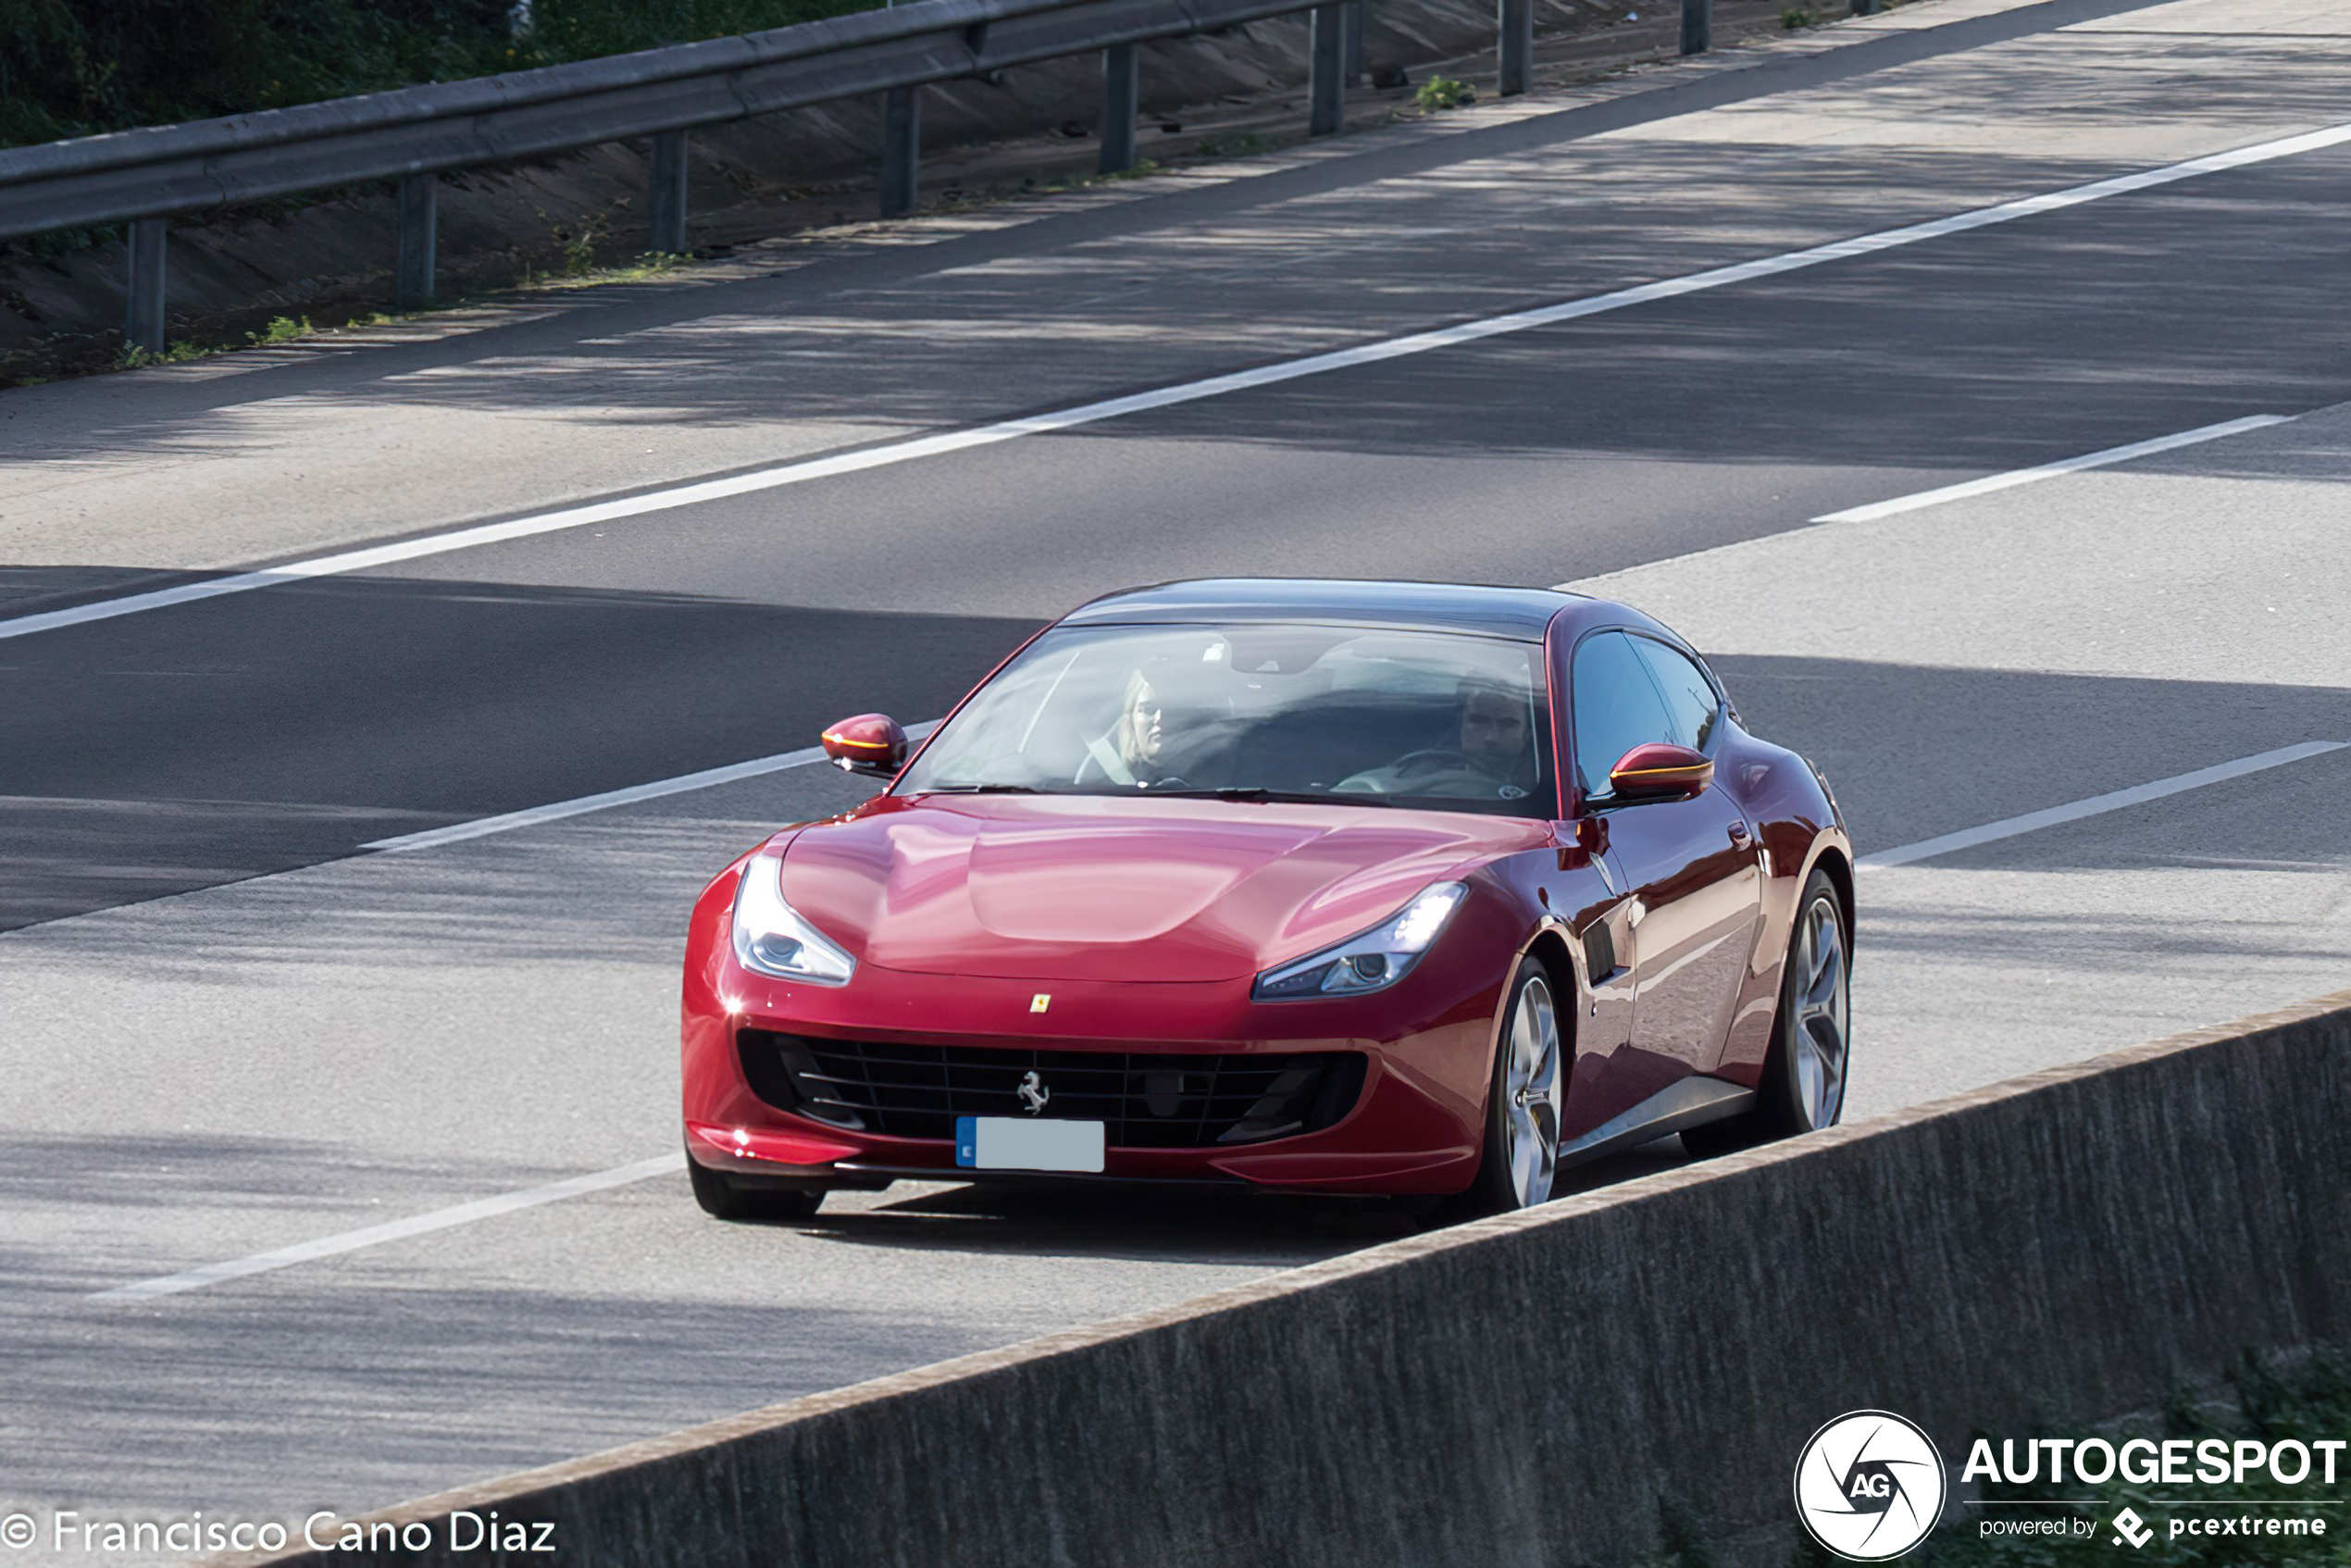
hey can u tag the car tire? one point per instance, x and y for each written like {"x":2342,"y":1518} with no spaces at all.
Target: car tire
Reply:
{"x":1803,"y":1085}
{"x":1526,"y":1097}
{"x":724,"y":1197}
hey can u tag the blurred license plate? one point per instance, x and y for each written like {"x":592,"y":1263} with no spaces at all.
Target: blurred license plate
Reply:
{"x":1008,"y":1143}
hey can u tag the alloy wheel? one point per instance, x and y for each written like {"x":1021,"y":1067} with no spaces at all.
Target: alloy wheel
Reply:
{"x":1531,"y":1093}
{"x":1818,"y":1039}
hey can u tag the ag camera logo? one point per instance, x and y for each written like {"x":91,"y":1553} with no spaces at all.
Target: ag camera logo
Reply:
{"x":1870,"y":1485}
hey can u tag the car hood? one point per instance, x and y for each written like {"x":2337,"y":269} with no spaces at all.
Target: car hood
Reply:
{"x":1111,"y":888}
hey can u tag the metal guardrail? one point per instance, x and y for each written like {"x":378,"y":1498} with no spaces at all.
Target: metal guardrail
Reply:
{"x":147,"y":176}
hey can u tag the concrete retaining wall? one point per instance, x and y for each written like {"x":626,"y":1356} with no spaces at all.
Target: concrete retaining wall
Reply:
{"x":1521,"y":1391}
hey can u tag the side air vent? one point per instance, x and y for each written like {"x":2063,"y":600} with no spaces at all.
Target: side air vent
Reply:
{"x":1600,"y":952}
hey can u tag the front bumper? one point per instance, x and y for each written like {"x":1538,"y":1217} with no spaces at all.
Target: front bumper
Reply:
{"x":1414,"y":1126}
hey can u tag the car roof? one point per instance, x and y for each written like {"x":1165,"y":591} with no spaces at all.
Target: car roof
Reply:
{"x":1520,"y":614}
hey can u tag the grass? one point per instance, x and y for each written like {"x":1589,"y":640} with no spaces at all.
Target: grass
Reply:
{"x":1247,"y":144}
{"x":1797,"y":17}
{"x":1444,"y":92}
{"x":281,"y":329}
{"x":1144,"y":169}
{"x":580,"y":271}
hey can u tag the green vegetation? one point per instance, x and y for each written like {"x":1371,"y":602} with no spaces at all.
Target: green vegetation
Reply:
{"x":1444,"y":92}
{"x":281,"y":329}
{"x":581,"y":272}
{"x":71,"y":67}
{"x":577,"y":274}
{"x":1795,"y":18}
{"x":1247,"y":144}
{"x":1144,"y":168}
{"x":2309,"y":1401}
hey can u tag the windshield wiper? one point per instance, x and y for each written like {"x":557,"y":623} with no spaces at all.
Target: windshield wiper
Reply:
{"x":980,"y":790}
{"x":1280,"y":797}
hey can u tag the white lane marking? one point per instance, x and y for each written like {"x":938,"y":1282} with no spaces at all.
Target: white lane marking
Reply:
{"x":2031,"y":821}
{"x":395,"y":1230}
{"x":1190,"y":391}
{"x":1988,"y":483}
{"x":533,"y":816}
{"x":2009,"y":481}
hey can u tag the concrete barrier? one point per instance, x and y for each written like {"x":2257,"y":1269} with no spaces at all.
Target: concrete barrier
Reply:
{"x":1524,"y":1390}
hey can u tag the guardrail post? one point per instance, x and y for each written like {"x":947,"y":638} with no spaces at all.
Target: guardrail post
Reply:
{"x":1121,"y":88}
{"x":419,"y":225}
{"x":143,"y":320}
{"x":1327,"y":86}
{"x":1359,"y":13}
{"x":666,"y":203}
{"x":1698,"y":26}
{"x":1516,"y":24}
{"x":901,"y":150}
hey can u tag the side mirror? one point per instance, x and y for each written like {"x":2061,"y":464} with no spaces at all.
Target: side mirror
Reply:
{"x":873,"y":744}
{"x":1658,"y":770}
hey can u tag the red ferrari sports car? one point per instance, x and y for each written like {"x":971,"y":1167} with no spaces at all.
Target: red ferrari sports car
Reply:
{"x":1319,"y":886}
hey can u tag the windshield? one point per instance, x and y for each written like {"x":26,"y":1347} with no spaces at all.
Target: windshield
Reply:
{"x":1436,"y":720}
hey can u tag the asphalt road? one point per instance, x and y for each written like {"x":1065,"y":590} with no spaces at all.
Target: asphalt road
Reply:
{"x":226,"y":1032}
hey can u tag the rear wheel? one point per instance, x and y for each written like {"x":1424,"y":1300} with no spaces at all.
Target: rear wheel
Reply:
{"x":1522,"y":1109}
{"x":727,"y":1197}
{"x":1803,"y":1087}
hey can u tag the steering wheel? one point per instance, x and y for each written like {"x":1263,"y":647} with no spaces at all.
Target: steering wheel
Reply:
{"x":1434,"y":759}
{"x":1428,"y":766}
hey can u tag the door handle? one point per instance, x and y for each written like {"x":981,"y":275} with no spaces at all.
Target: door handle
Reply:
{"x":1740,"y":836}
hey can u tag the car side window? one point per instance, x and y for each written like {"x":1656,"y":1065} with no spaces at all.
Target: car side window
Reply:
{"x":1617,"y":707}
{"x":1689,"y":696}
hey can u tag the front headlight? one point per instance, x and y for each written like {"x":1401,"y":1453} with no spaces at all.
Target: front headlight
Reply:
{"x":1381,"y":956}
{"x":771,"y":936}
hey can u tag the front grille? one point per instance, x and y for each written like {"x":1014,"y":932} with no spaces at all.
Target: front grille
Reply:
{"x":1145,"y":1101}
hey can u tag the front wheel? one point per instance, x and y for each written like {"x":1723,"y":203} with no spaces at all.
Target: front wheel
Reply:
{"x":1803,"y":1087}
{"x":1525,"y":1101}
{"x":723,"y":1197}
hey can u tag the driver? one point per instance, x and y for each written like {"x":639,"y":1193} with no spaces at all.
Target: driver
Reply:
{"x":1494,"y":734}
{"x":1492,"y":757}
{"x":1133,"y":753}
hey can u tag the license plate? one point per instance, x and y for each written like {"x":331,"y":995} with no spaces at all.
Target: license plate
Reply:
{"x":1008,"y":1143}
